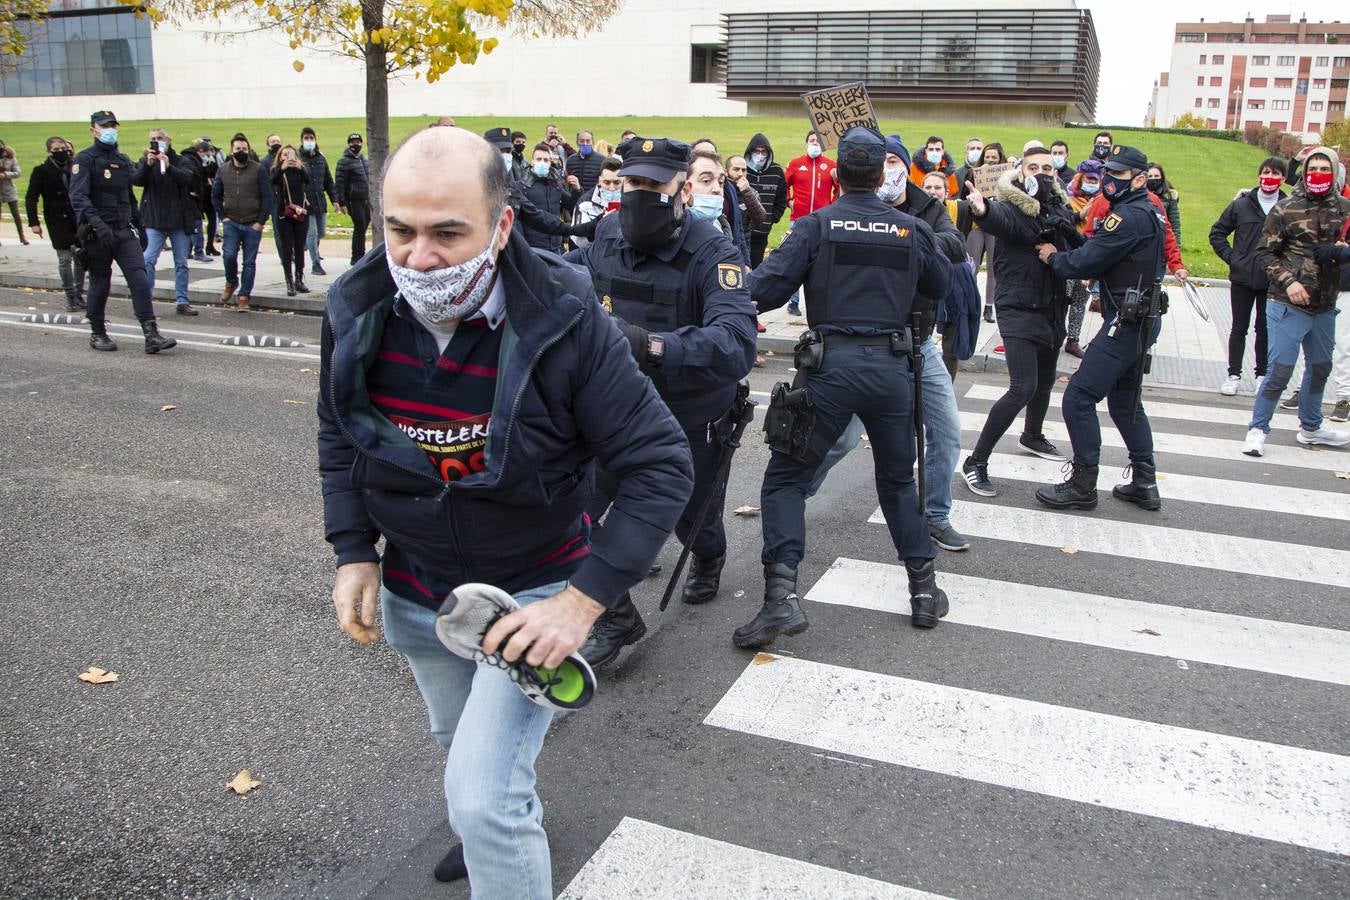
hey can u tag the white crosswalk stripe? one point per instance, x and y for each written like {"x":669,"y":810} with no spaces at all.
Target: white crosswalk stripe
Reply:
{"x":1192,"y":488}
{"x":1281,"y":648}
{"x":1248,"y":787}
{"x":644,"y":860}
{"x":1156,"y":409}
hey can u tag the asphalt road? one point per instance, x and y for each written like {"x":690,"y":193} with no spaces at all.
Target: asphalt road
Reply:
{"x":184,"y":550}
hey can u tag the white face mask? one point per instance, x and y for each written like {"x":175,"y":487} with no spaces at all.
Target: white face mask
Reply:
{"x":813,"y":150}
{"x":892,"y":188}
{"x":449,"y":293}
{"x":973,"y":157}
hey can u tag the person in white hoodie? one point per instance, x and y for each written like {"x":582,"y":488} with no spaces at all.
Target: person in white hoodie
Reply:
{"x":605,"y":198}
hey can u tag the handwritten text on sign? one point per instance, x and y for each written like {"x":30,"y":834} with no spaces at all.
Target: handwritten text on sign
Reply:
{"x":835,"y":110}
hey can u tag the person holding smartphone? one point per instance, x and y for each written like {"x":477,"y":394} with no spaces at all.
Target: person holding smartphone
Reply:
{"x":603,"y":200}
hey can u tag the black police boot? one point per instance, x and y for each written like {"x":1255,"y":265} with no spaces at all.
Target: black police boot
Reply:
{"x":705,"y":575}
{"x":98,"y":337}
{"x":154,"y":341}
{"x":1143,"y":487}
{"x":1079,"y":491}
{"x":615,"y":629}
{"x":782,"y":612}
{"x":290,"y":282}
{"x":927,"y":601}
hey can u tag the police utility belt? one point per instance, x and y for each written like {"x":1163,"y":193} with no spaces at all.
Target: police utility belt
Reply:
{"x":1140,"y":304}
{"x":790,"y":419}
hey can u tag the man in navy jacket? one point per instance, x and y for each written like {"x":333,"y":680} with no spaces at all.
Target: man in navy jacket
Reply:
{"x":468,"y":386}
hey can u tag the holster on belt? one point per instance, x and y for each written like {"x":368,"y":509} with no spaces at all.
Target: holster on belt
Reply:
{"x":790,"y":419}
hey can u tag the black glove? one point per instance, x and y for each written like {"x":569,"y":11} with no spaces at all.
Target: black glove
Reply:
{"x":103,"y":233}
{"x":585,"y":229}
{"x":637,"y":339}
{"x":1330,"y":253}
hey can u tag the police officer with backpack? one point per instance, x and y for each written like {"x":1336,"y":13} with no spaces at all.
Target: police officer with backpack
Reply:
{"x":1126,"y":256}
{"x":863,"y":265}
{"x":676,"y":286}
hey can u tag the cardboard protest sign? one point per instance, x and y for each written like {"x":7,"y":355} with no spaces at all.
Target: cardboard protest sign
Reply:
{"x":835,"y":110}
{"x":985,"y":177}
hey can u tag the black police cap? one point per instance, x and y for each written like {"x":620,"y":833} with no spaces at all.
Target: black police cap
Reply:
{"x":103,"y":117}
{"x":862,"y":146}
{"x":1124,"y":159}
{"x":499,"y":138}
{"x":659,"y":159}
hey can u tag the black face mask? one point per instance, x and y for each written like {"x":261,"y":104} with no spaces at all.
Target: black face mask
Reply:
{"x":1155,"y":185}
{"x":648,"y":220}
{"x":1116,"y":189}
{"x":354,"y":149}
{"x":519,"y":151}
{"x":274,"y":148}
{"x":240,"y":156}
{"x":61,"y":157}
{"x":1101,"y":151}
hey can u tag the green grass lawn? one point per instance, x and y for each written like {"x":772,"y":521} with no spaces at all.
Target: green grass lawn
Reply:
{"x":1205,"y":172}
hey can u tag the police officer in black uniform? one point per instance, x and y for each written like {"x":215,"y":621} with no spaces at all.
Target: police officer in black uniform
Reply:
{"x":676,"y":286}
{"x":1126,"y":255}
{"x":100,"y":195}
{"x":863,"y":265}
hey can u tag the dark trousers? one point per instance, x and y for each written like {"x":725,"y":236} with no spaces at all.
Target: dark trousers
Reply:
{"x":711,"y":540}
{"x":878,"y":387}
{"x":127,"y":253}
{"x":1110,"y":370}
{"x":759,"y":242}
{"x":210,"y":212}
{"x":293,"y":235}
{"x":1245,"y":302}
{"x":360,"y":213}
{"x":1031,"y":375}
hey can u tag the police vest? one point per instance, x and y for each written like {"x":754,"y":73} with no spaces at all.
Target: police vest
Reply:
{"x":1143,"y":267}
{"x":654,"y":294}
{"x":109,"y":184}
{"x":864,"y":275}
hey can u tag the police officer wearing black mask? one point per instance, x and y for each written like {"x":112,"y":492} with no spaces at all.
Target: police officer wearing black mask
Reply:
{"x":1126,"y":255}
{"x":863,"y":265}
{"x":676,"y":286}
{"x":100,"y":194}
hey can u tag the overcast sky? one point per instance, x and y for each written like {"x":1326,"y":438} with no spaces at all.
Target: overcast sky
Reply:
{"x":1133,"y":55}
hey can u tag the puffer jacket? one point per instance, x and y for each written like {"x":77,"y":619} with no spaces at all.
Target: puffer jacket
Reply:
{"x":1031,"y":301}
{"x":1243,"y":219}
{"x":1289,"y":236}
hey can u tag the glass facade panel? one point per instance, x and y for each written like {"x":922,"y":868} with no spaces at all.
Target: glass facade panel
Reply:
{"x":84,"y":53}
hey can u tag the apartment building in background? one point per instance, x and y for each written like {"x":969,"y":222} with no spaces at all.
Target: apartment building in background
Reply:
{"x":1284,"y":74}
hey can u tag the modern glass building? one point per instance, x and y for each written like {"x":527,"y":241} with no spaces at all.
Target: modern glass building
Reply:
{"x":84,"y":48}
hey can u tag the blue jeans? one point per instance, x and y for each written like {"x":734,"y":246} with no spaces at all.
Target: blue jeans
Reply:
{"x":239,"y":237}
{"x":318,"y":227}
{"x":492,"y":734}
{"x":942,"y":438}
{"x":1288,"y":329}
{"x":180,"y":242}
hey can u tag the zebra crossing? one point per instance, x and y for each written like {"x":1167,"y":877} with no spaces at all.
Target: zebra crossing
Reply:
{"x":1277,"y":528}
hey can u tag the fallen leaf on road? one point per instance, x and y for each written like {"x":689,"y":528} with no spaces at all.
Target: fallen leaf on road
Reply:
{"x":306,"y":370}
{"x":294,"y":402}
{"x":28,"y":290}
{"x":1149,"y":631}
{"x":1069,"y":550}
{"x":95,"y":675}
{"x":796,"y":321}
{"x":167,"y":407}
{"x":747,"y":510}
{"x":762,"y":658}
{"x":1181,"y":664}
{"x":768,"y":353}
{"x":243,"y":783}
{"x":1345,"y":475}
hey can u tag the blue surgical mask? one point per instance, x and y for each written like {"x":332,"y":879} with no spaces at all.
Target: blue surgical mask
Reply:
{"x":706,"y":206}
{"x":1057,"y":161}
{"x":506,"y":161}
{"x":107,"y":136}
{"x":307,"y":145}
{"x":934,"y":156}
{"x":611,"y":196}
{"x":585,"y":150}
{"x":541,"y":169}
{"x":1090,"y":188}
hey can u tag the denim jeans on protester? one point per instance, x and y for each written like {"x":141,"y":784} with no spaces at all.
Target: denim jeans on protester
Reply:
{"x":1288,"y":330}
{"x":492,"y":735}
{"x":181,"y":244}
{"x":318,"y":227}
{"x":246,"y":239}
{"x":942,"y":438}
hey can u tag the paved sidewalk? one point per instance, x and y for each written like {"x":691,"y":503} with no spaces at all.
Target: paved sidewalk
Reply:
{"x":1190,"y":353}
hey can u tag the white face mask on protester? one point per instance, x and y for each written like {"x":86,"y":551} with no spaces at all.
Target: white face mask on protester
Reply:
{"x":892,"y":188}
{"x":813,"y":150}
{"x":449,"y":293}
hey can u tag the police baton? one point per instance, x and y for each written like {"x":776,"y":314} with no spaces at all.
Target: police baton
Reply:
{"x":916,"y":367}
{"x":738,"y":417}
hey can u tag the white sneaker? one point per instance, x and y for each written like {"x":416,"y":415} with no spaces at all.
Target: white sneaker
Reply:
{"x":1229,"y":387}
{"x":1256,"y":442}
{"x":1330,"y":437}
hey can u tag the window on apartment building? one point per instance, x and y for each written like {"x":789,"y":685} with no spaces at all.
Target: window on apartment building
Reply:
{"x":1319,"y":84}
{"x":1284,"y":82}
{"x":1279,"y":104}
{"x":1339,"y":84}
{"x":1258,"y":82}
{"x":1191,"y":38}
{"x":1340,"y":61}
{"x":1199,"y":81}
{"x":1256,"y":104}
{"x":1216,"y":81}
{"x":1315,"y":106}
{"x":703,"y":64}
{"x":1203,"y":58}
{"x":1211,"y":123}
{"x":1279,"y":126}
{"x":1336,"y":108}
{"x":1284,"y":60}
{"x":1315,"y":127}
{"x":1199,"y":102}
{"x":1321,"y":61}
{"x":1260,"y":60}
{"x":1218,"y":59}
{"x":1213,"y":102}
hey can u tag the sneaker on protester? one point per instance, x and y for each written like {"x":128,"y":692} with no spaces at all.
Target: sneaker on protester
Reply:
{"x":1255,"y":445}
{"x":1342,"y":411}
{"x":1325,"y":435}
{"x":1037,"y":445}
{"x":464,"y":619}
{"x":977,"y":478}
{"x":1229,"y":388}
{"x":1290,"y":402}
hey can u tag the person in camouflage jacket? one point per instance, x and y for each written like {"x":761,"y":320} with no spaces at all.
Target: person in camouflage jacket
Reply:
{"x":1301,"y":311}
